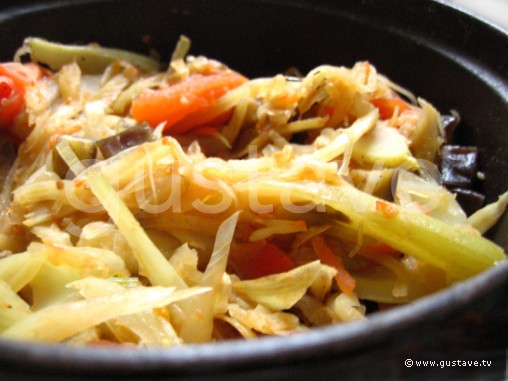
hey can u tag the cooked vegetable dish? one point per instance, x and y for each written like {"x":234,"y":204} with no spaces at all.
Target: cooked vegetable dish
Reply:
{"x":152,"y":205}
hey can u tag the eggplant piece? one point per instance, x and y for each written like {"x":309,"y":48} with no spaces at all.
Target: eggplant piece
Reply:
{"x":65,"y":153}
{"x":450,"y":123}
{"x":469,"y":200}
{"x":459,"y":165}
{"x":131,"y":137}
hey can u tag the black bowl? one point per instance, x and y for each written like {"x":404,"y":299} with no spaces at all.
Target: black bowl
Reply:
{"x":441,"y":53}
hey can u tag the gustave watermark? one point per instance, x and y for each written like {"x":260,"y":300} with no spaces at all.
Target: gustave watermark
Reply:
{"x":155,"y":194}
{"x":409,"y":363}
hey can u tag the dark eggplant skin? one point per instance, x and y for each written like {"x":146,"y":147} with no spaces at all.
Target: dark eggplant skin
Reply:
{"x":131,"y":137}
{"x":469,"y":200}
{"x":437,"y":51}
{"x":459,"y":165}
{"x":450,"y":123}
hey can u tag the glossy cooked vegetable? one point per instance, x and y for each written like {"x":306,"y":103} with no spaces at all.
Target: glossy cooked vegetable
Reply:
{"x":194,"y":205}
{"x":172,"y":104}
{"x":92,"y":58}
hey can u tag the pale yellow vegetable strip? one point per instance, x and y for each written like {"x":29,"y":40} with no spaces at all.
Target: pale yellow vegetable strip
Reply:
{"x":150,"y":328}
{"x":454,"y":249}
{"x":246,"y":333}
{"x":384,"y":145}
{"x":87,"y":259}
{"x":181,"y":49}
{"x":167,"y":221}
{"x":265,"y":321}
{"x":425,"y":139}
{"x":314,"y":311}
{"x":11,"y":300}
{"x":30,"y":194}
{"x":59,"y":322}
{"x":232,"y":129}
{"x":346,"y":307}
{"x":218,"y":261}
{"x":91,"y":58}
{"x":486,"y":217}
{"x":279,"y":291}
{"x":156,"y":267}
{"x":9,"y":317}
{"x":48,"y":286}
{"x":18,"y":270}
{"x":378,"y":286}
{"x":338,"y":146}
{"x":198,"y":325}
{"x":303,"y":125}
{"x":277,"y":227}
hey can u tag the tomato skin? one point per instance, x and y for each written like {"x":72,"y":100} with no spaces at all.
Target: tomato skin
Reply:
{"x":11,"y":101}
{"x":174,"y":103}
{"x":15,"y":78}
{"x":258,"y":259}
{"x":387,"y":106}
{"x":6,"y":87}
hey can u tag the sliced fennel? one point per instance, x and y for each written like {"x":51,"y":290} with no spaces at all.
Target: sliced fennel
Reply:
{"x":426,"y":139}
{"x":18,"y":270}
{"x":350,"y":136}
{"x":414,"y":193}
{"x":147,"y":325}
{"x":279,"y":291}
{"x":483,"y":219}
{"x":91,"y":58}
{"x":200,"y":311}
{"x":59,"y":322}
{"x":458,"y":251}
{"x":156,"y":267}
{"x":384,"y":145}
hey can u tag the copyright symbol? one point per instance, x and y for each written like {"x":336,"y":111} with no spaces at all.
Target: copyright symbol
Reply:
{"x":408,"y":363}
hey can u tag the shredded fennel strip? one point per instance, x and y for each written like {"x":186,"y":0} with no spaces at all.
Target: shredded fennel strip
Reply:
{"x":198,"y":325}
{"x":150,"y":328}
{"x":232,"y":129}
{"x":338,"y":146}
{"x":483,"y":219}
{"x":158,"y":270}
{"x":459,"y":252}
{"x":69,"y":157}
{"x":10,"y":299}
{"x":279,"y":291}
{"x":58,"y":322}
{"x":18,"y":270}
{"x":303,"y":125}
{"x":92,"y":58}
{"x":181,"y":49}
